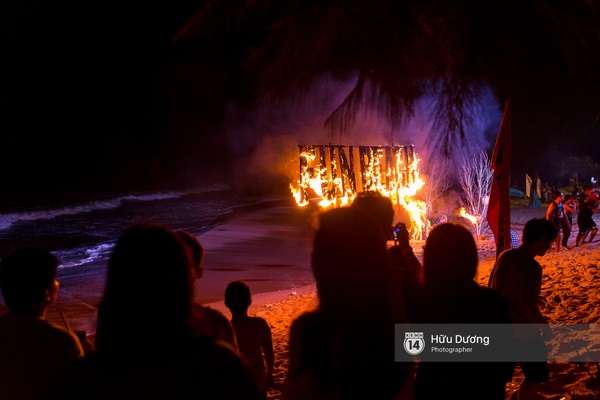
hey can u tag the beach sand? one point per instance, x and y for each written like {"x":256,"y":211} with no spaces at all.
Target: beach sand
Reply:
{"x":259,"y":246}
{"x":571,"y":284}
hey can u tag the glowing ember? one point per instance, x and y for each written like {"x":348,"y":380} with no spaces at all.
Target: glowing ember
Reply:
{"x":330,"y":177}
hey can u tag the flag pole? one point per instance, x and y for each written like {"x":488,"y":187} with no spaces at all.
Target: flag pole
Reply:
{"x":498,"y":212}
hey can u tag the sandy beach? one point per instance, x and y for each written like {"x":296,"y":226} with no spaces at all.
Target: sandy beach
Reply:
{"x":269,"y":248}
{"x":571,"y":284}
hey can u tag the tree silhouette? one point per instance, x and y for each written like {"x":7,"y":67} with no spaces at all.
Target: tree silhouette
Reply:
{"x":581,"y":168}
{"x":396,"y":52}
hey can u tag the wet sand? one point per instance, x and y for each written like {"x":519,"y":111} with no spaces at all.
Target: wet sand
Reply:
{"x":267,"y":247}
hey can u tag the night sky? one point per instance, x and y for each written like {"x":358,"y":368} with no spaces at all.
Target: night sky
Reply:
{"x":97,"y":98}
{"x":87,"y":98}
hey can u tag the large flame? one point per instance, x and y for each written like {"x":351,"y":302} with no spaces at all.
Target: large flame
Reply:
{"x":329,"y":180}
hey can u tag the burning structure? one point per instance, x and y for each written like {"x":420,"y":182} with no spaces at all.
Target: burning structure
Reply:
{"x":333,"y":175}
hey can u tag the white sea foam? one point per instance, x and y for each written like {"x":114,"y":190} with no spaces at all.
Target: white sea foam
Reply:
{"x":7,"y":220}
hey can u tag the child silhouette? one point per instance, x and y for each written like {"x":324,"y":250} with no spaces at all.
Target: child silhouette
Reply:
{"x":253,"y":334}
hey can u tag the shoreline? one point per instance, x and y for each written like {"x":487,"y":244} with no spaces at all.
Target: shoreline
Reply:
{"x":266,"y":244}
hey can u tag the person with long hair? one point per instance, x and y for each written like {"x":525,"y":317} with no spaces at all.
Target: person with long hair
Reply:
{"x":145,"y":346}
{"x":345,"y":348}
{"x":206,"y":321}
{"x":451,"y":296}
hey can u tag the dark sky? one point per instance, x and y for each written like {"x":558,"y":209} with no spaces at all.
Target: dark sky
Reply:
{"x":84,"y":95}
{"x":97,"y":97}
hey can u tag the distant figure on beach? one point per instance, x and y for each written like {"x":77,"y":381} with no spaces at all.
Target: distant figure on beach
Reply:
{"x":253,"y":334}
{"x":588,"y":205}
{"x":547,"y":193}
{"x":451,"y":296}
{"x":206,"y":321}
{"x":570,"y":205}
{"x":534,"y":201}
{"x":145,"y":346}
{"x":518,"y":276}
{"x":555,"y":213}
{"x":345,"y":348}
{"x":536,"y":193}
{"x":35,"y":356}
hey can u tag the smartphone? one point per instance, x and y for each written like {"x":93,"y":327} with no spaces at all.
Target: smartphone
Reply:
{"x":397,"y":229}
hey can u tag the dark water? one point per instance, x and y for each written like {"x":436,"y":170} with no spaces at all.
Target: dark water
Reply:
{"x":84,"y":233}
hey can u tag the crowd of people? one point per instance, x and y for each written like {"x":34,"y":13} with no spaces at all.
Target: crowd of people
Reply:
{"x":560,"y":213}
{"x":175,"y":349}
{"x":344,"y":349}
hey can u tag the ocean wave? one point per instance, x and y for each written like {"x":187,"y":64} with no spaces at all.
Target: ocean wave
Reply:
{"x":7,"y":220}
{"x":84,"y":255}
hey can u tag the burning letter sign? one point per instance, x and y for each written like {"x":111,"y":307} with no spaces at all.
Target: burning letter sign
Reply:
{"x":334,"y":174}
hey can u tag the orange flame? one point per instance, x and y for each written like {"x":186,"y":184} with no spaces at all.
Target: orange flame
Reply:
{"x":474,"y":219}
{"x":330,"y":180}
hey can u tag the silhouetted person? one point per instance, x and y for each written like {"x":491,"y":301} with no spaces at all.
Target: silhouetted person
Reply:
{"x":407,"y":268}
{"x":380,"y":207}
{"x":408,"y":271}
{"x":451,"y":296}
{"x":35,"y":356}
{"x":534,"y":201}
{"x":588,"y":205}
{"x":518,"y":276}
{"x":206,"y":321}
{"x":345,"y":348}
{"x":145,"y":347}
{"x":253,"y":334}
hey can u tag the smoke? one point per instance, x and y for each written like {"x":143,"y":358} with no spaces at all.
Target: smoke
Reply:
{"x":481,"y":129}
{"x":264,"y":140}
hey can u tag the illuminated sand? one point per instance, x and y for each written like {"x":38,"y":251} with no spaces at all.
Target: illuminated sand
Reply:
{"x":571,"y":284}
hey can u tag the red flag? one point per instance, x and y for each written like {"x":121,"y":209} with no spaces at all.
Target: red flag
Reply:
{"x":498,"y":212}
